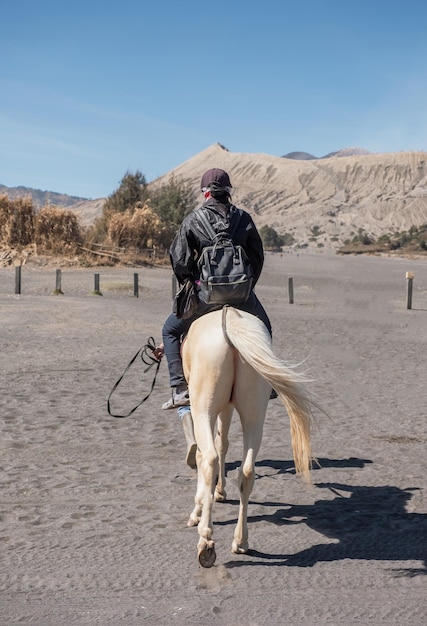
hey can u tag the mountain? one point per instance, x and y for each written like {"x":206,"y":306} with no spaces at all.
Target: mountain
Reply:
{"x":299,"y":156}
{"x":345,"y":152}
{"x":41,"y":198}
{"x":86,"y":209}
{"x":322,"y":202}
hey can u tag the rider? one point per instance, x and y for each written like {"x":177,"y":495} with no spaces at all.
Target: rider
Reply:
{"x":184,"y":252}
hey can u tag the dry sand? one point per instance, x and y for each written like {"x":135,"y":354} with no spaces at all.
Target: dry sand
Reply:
{"x":93,"y":509}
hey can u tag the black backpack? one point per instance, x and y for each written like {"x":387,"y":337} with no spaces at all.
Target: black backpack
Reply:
{"x":225,"y":271}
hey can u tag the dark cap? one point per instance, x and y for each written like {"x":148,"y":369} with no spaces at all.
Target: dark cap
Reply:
{"x":215,"y":176}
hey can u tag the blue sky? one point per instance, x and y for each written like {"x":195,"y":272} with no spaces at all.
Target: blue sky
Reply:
{"x":90,"y":90}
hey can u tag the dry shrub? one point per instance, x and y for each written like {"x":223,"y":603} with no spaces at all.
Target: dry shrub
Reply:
{"x":17,"y":217}
{"x":57,"y":231}
{"x":137,"y":229}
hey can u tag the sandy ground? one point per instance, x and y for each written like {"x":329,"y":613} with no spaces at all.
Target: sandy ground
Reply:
{"x":93,"y":509}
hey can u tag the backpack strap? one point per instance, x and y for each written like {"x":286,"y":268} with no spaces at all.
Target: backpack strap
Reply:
{"x":208,"y":226}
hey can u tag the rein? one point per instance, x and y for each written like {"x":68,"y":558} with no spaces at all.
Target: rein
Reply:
{"x":149,"y":360}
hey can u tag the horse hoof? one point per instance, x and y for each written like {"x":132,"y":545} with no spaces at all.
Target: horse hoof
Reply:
{"x":220,"y":496}
{"x":207,"y":556}
{"x":237,"y":549}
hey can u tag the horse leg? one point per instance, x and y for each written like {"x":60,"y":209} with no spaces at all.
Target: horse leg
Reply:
{"x":221,"y":445}
{"x":209,"y":366}
{"x":207,"y":473}
{"x":208,"y":468}
{"x":252,"y":435}
{"x":194,"y":518}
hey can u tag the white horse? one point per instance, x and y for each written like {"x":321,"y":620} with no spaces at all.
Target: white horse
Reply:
{"x":229,"y":363}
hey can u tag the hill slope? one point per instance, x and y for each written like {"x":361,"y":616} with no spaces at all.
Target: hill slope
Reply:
{"x":41,"y":198}
{"x":336,"y":196}
{"x":321,"y":201}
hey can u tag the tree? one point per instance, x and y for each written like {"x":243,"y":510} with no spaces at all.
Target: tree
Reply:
{"x":132,"y":190}
{"x":272,"y":240}
{"x":169,"y":203}
{"x":131,"y":193}
{"x":172,"y":202}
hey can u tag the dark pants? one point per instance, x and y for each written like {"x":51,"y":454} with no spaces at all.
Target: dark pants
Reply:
{"x":175,"y":327}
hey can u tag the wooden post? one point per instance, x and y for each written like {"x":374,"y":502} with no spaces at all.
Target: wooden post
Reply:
{"x":291,"y":290}
{"x":135,"y":285}
{"x":96,"y":291}
{"x":58,"y":289}
{"x":410,"y":279}
{"x":17,"y":279}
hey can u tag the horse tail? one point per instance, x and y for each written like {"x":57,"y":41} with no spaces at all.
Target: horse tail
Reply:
{"x":249,"y":336}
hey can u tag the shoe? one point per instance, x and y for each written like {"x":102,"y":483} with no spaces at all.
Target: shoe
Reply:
{"x":181,"y":398}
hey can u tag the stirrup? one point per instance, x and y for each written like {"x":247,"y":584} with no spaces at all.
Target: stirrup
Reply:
{"x":177,"y":399}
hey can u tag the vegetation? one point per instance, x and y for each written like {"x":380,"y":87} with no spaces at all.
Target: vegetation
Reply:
{"x":134,"y":217}
{"x":139,"y":228}
{"x":413,"y":241}
{"x":17,"y":221}
{"x":131,"y":193}
{"x":138,"y":224}
{"x":316,"y":231}
{"x":132,"y":223}
{"x":172,"y":202}
{"x":272,"y":240}
{"x":50,"y":230}
{"x":57,"y":231}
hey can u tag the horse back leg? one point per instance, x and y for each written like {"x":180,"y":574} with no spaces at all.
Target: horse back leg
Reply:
{"x":207,"y":467}
{"x":221,"y":445}
{"x":246,"y":481}
{"x":252,"y":408}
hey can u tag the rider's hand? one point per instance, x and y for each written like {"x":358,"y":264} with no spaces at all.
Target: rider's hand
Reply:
{"x":159,"y":352}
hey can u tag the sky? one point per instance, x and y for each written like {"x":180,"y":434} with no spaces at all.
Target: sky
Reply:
{"x":90,"y":90}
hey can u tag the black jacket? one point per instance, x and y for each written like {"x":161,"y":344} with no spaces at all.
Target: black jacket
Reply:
{"x":191,"y":239}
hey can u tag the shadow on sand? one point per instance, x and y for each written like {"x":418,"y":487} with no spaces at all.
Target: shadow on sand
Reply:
{"x":368,"y":523}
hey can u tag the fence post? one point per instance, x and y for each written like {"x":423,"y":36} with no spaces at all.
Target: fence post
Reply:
{"x":17,"y":279}
{"x":58,"y":290}
{"x":135,"y":285}
{"x":96,"y":291}
{"x":410,"y":279}
{"x":291,"y":290}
